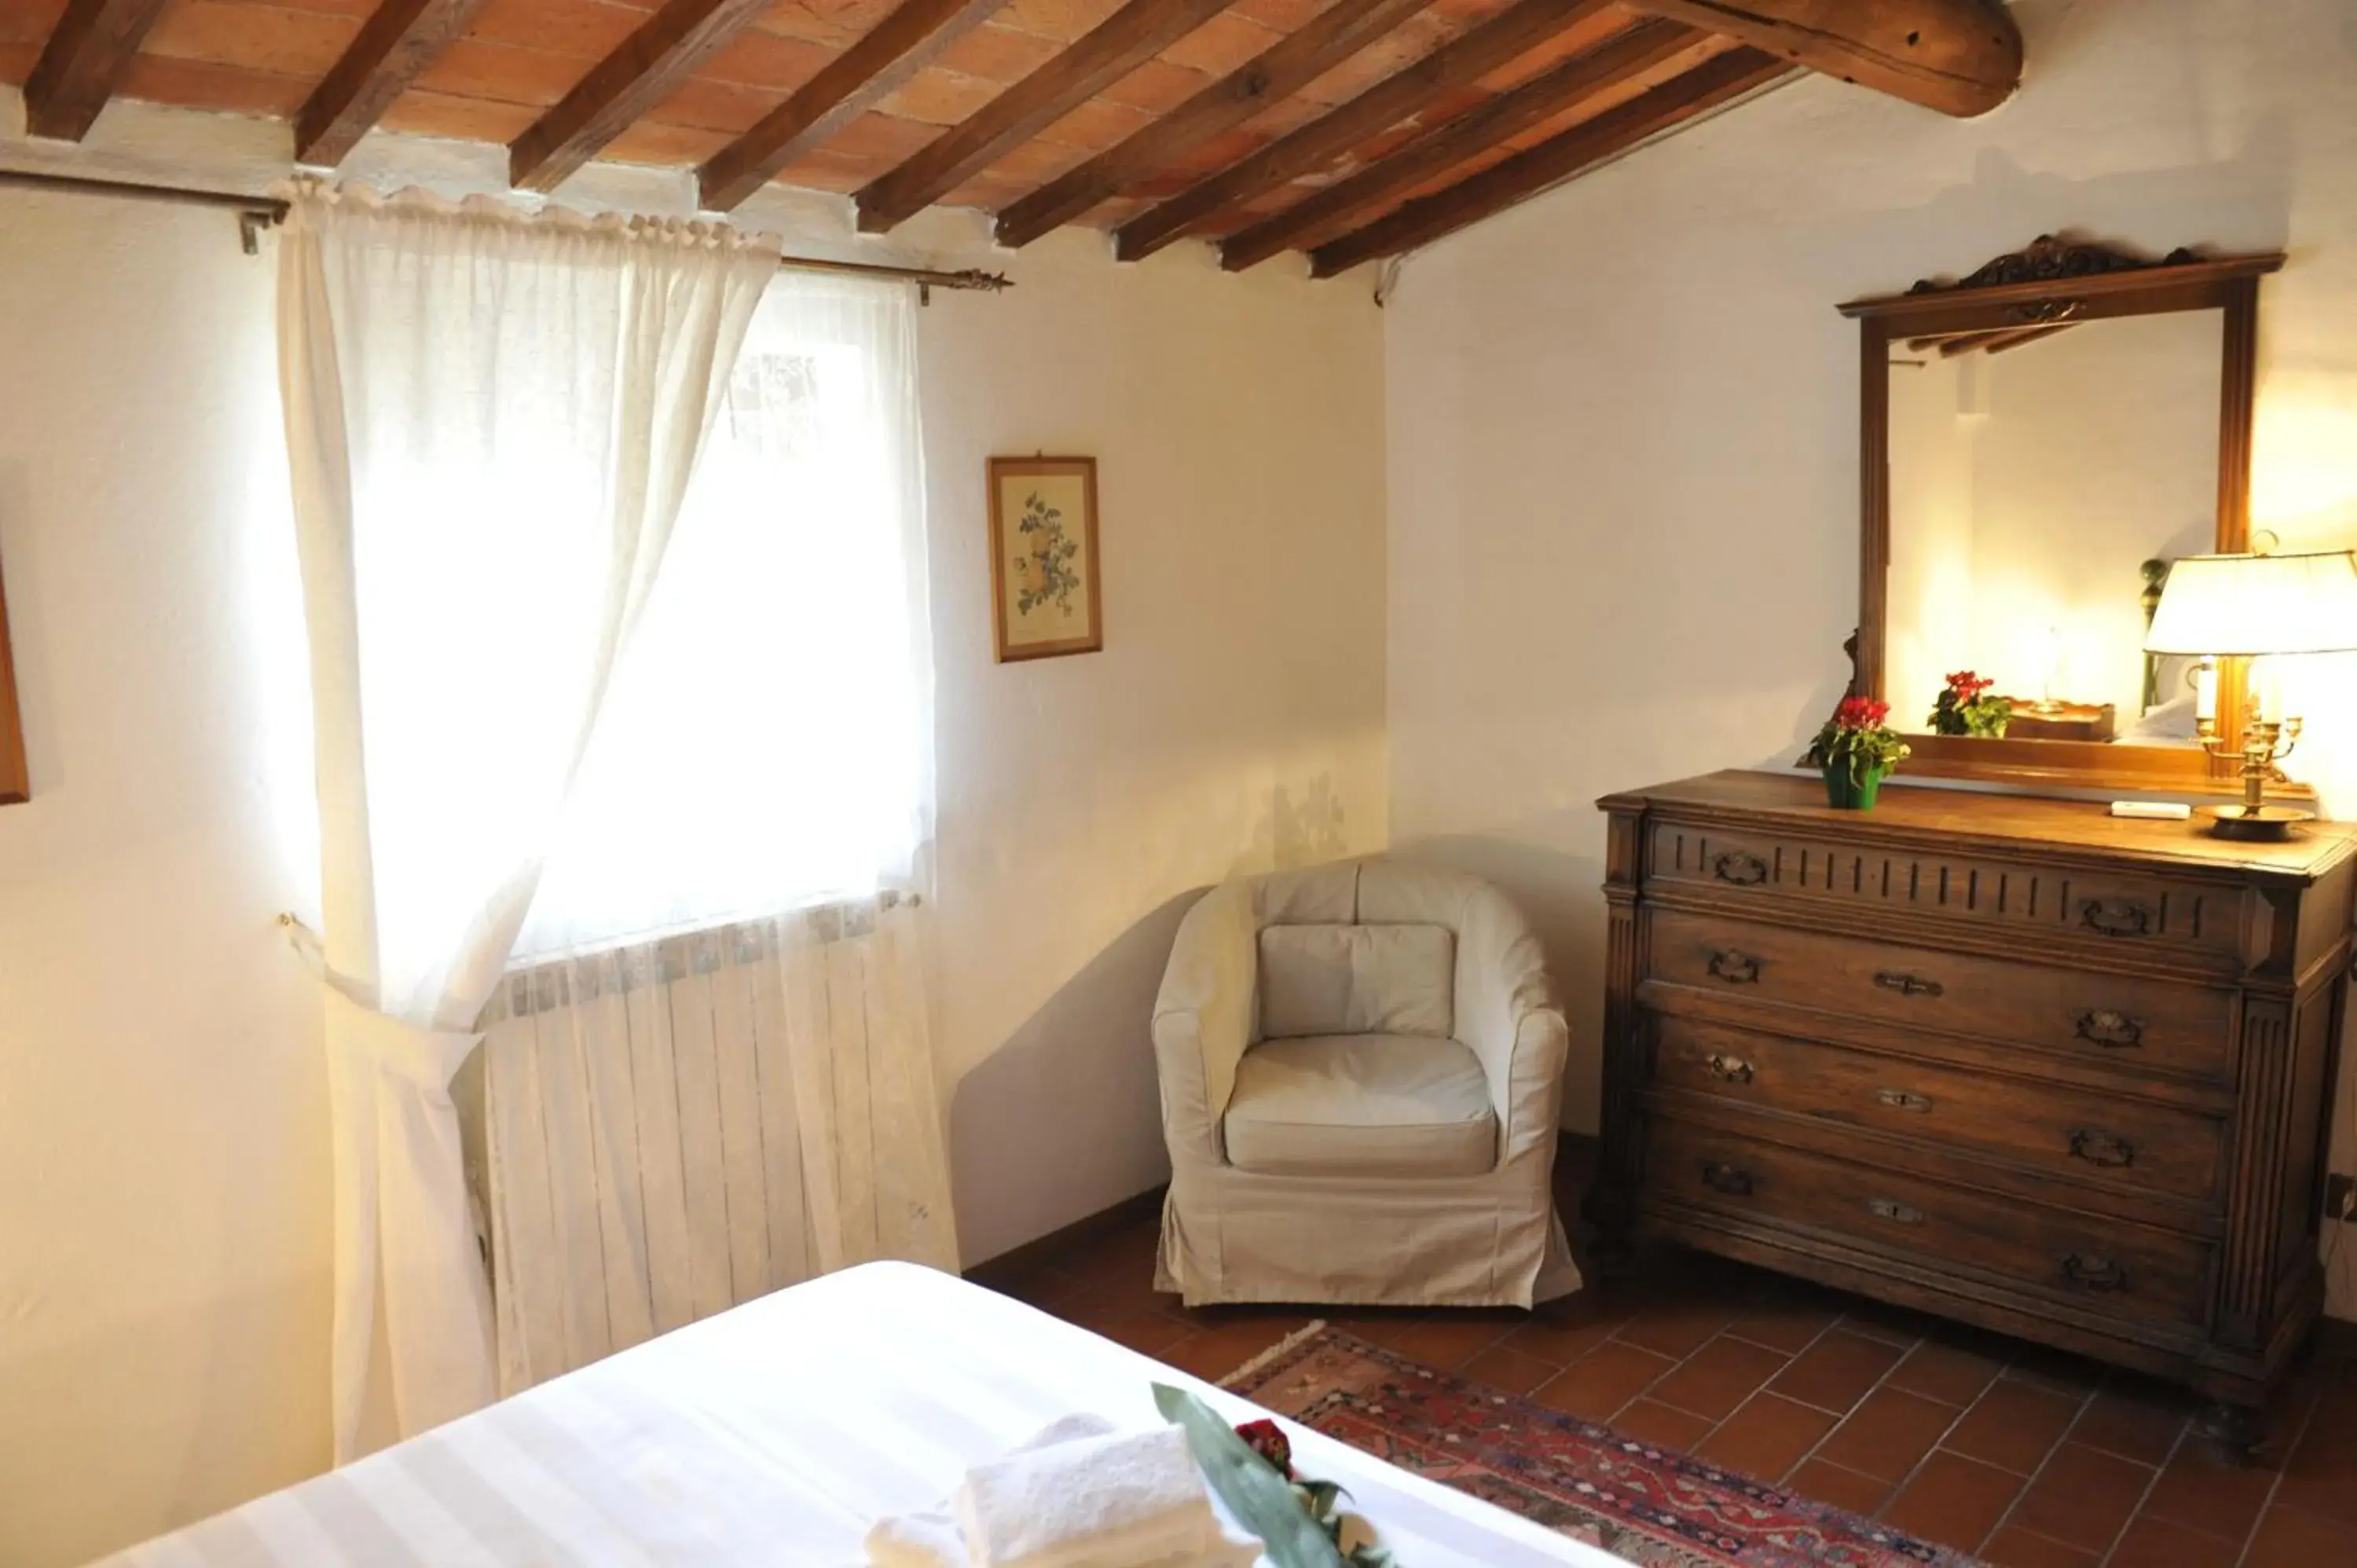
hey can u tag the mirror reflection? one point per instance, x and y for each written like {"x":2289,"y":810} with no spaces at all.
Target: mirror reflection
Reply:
{"x":2042,"y":480}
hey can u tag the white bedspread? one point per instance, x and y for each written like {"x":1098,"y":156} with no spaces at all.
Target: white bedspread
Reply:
{"x":773,"y":1436}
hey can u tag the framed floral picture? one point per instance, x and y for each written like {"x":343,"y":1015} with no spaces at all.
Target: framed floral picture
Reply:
{"x":1043,"y":557}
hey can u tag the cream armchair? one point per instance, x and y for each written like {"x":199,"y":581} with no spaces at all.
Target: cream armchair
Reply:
{"x":1362,"y":1070}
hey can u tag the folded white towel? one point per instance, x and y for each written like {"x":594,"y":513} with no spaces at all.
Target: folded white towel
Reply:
{"x":1102,"y":1502}
{"x":935,"y":1538}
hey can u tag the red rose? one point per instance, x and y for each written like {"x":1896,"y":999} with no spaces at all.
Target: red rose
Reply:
{"x":1264,"y":1438}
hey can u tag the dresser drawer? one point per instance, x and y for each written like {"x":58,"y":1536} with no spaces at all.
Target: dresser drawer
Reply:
{"x":2178,"y":914}
{"x":2076,"y":1135}
{"x":2112,"y":1266}
{"x":2134,"y":1023}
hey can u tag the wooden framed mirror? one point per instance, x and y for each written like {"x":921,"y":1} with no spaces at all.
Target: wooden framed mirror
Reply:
{"x":2037,"y":442}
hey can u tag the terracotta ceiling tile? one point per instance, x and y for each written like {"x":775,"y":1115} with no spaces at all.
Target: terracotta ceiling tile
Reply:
{"x":838,"y":23}
{"x":559,"y":27}
{"x":726,"y":108}
{"x":1283,"y":16}
{"x":1094,"y":126}
{"x":939,"y":97}
{"x":765,"y":60}
{"x":289,"y":43}
{"x":828,"y":170}
{"x":502,"y":74}
{"x":883,"y":139}
{"x":998,"y":54}
{"x":1063,"y":20}
{"x":1220,"y":45}
{"x":424,"y":113}
{"x":195,"y":84}
{"x":667,"y":145}
{"x":1158,"y":87}
{"x":16,"y":62}
{"x":29,"y":21}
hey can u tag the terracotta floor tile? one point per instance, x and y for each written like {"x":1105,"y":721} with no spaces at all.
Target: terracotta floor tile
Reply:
{"x":1718,"y":1378}
{"x":1563,"y":1342}
{"x":1887,"y":1433}
{"x":1449,"y":1342}
{"x":2131,"y":1426}
{"x":1835,"y":1372}
{"x":2150,"y":1542}
{"x":2083,"y":1496}
{"x":1767,"y":1437}
{"x":2320,"y":1478}
{"x":1600,"y":1382}
{"x":1953,"y":1500}
{"x":1509,"y":1370}
{"x":1824,"y":1483}
{"x":1650,"y":1421}
{"x":1945,"y":1373}
{"x":2293,"y":1538}
{"x":2210,"y":1491}
{"x":1147,"y":1333}
{"x":2015,"y":1425}
{"x":2056,"y":1369}
{"x":1899,"y":1326}
{"x":2014,"y":1547}
{"x":1213,"y":1353}
{"x":1676,"y":1331}
{"x":1789,"y":1327}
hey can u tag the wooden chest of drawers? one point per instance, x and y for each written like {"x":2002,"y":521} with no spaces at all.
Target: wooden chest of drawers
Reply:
{"x":2011,"y":1061}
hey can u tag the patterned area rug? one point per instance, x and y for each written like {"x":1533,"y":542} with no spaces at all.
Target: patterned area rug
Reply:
{"x":1642,"y":1504}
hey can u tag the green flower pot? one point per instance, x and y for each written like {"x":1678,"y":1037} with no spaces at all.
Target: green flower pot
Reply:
{"x":1846,"y":794}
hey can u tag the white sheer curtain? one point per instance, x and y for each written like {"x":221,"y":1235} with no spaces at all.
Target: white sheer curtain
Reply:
{"x":678,"y":1122}
{"x":491,"y":422}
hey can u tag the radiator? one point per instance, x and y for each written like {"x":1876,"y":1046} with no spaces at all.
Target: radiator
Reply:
{"x":673,"y":1129}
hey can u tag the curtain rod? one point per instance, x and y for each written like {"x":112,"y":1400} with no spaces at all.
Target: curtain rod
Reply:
{"x":257,"y":213}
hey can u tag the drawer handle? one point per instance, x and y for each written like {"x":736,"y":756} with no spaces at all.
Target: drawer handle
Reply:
{"x":1729,"y":1070}
{"x":1735,"y":968}
{"x":1903,"y":1098}
{"x":1907,"y":985}
{"x":1897,"y":1213}
{"x":2116,"y":917}
{"x":2092,"y":1271}
{"x":1740,"y":867}
{"x":1733,"y":1180}
{"x":2113,"y":1031}
{"x":2101,"y":1148}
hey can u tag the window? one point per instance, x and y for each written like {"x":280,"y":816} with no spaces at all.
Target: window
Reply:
{"x":766,"y":743}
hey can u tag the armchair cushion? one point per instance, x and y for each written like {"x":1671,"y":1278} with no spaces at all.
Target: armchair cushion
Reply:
{"x":1357,"y":980}
{"x":1362,"y":1105}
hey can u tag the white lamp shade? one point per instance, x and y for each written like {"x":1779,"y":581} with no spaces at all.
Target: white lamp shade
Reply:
{"x":2255,"y":605}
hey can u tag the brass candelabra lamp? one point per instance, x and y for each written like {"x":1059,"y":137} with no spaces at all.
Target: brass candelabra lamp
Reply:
{"x":2251,"y":606}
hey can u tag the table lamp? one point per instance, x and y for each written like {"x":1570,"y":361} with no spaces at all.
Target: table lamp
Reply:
{"x":2253,"y":607}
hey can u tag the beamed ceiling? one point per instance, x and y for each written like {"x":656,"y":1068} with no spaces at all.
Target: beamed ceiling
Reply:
{"x":1347,"y":129}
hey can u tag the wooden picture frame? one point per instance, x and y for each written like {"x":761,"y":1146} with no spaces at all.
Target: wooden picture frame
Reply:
{"x":1045,"y":601}
{"x":16,"y":777}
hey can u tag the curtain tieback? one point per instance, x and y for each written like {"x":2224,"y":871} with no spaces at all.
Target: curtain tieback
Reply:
{"x":426,"y":1057}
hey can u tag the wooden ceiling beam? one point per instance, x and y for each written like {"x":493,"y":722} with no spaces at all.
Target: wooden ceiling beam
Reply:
{"x":1114,"y":47}
{"x":395,"y":45}
{"x":1615,"y":131}
{"x":645,"y":69}
{"x":93,"y":45}
{"x":1463,"y":60}
{"x":1646,"y":47}
{"x":1277,"y":73}
{"x":907,"y":40}
{"x":1959,"y":57}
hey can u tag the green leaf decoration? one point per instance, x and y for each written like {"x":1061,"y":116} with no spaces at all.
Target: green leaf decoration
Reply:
{"x":1261,"y":1500}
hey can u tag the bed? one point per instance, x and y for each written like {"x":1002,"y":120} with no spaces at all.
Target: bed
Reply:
{"x":772,"y":1436}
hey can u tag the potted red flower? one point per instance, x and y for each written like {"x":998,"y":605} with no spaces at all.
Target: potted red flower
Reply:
{"x":1966,"y":707}
{"x":1855,"y":749}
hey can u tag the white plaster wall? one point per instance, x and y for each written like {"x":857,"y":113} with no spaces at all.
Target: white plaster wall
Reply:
{"x":1623,"y":426}
{"x":164,"y":1165}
